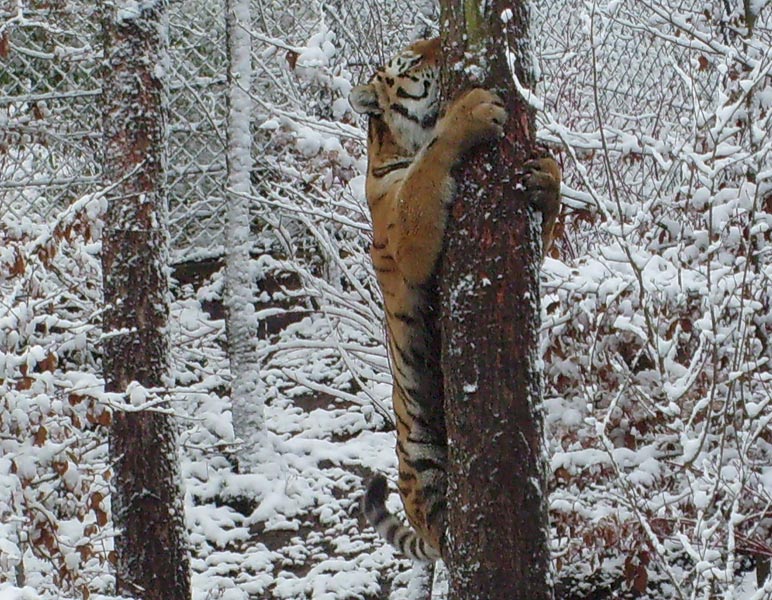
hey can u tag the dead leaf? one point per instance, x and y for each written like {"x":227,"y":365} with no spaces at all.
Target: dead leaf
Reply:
{"x":41,"y":435}
{"x":292,"y":58}
{"x":5,"y":45}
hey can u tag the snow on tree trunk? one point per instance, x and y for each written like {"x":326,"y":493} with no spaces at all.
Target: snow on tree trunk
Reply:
{"x":248,"y":419}
{"x":151,"y":543}
{"x":489,"y":279}
{"x":421,"y":581}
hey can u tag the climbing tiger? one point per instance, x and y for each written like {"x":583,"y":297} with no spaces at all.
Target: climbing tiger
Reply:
{"x":411,"y":151}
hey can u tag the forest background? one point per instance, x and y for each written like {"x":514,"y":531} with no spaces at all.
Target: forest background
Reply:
{"x":655,"y":314}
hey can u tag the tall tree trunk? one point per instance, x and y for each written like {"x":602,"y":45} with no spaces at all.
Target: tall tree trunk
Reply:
{"x":421,"y":581}
{"x":241,"y":328}
{"x":151,"y":544}
{"x":489,"y":279}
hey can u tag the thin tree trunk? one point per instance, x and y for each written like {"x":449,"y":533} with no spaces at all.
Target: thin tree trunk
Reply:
{"x":421,"y":581}
{"x":248,"y":420}
{"x":151,"y":542}
{"x":489,"y":280}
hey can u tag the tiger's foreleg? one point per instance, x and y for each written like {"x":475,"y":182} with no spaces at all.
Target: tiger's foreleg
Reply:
{"x":420,"y":207}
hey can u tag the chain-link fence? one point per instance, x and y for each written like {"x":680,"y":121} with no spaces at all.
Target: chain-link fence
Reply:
{"x":50,"y":115}
{"x":50,"y":85}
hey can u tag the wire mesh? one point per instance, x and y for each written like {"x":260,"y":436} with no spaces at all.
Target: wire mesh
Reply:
{"x":50,"y":89}
{"x":49,"y":114}
{"x":50,"y":117}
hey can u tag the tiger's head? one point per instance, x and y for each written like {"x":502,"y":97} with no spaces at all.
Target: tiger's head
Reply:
{"x":404,"y":93}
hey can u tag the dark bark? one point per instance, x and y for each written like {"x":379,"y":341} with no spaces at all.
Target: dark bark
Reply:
{"x":151,"y":545}
{"x":497,"y":523}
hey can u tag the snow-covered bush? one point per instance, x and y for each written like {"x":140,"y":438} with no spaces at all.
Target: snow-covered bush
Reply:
{"x":54,"y":498}
{"x":656,"y":316}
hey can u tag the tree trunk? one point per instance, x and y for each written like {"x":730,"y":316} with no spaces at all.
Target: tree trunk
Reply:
{"x":151,"y":544}
{"x":247,"y":406}
{"x":421,"y":581}
{"x":489,"y":279}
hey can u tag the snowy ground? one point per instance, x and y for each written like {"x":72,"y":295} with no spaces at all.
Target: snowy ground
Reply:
{"x":304,"y":538}
{"x":288,"y":526}
{"x":291,"y":527}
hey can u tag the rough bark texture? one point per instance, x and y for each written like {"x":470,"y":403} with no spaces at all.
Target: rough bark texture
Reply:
{"x":489,"y":279}
{"x":151,"y":545}
{"x":248,"y":420}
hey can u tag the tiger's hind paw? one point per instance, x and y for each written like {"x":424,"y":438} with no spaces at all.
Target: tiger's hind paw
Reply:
{"x":542,"y":180}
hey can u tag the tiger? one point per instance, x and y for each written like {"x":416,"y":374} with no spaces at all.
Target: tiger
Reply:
{"x":412,"y":149}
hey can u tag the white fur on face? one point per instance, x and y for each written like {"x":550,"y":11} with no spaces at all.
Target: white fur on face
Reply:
{"x":408,"y":92}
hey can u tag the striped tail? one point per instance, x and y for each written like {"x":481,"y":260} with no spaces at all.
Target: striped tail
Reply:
{"x":404,"y":539}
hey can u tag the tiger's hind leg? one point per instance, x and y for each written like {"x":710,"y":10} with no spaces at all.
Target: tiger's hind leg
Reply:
{"x":542,"y":181}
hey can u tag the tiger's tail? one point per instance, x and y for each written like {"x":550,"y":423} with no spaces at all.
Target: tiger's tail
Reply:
{"x":401,"y":537}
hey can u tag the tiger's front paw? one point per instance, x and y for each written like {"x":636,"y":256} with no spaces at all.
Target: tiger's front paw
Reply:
{"x":476,"y":116}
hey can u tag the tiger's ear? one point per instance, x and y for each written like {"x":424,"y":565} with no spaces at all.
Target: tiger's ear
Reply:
{"x":364,"y":100}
